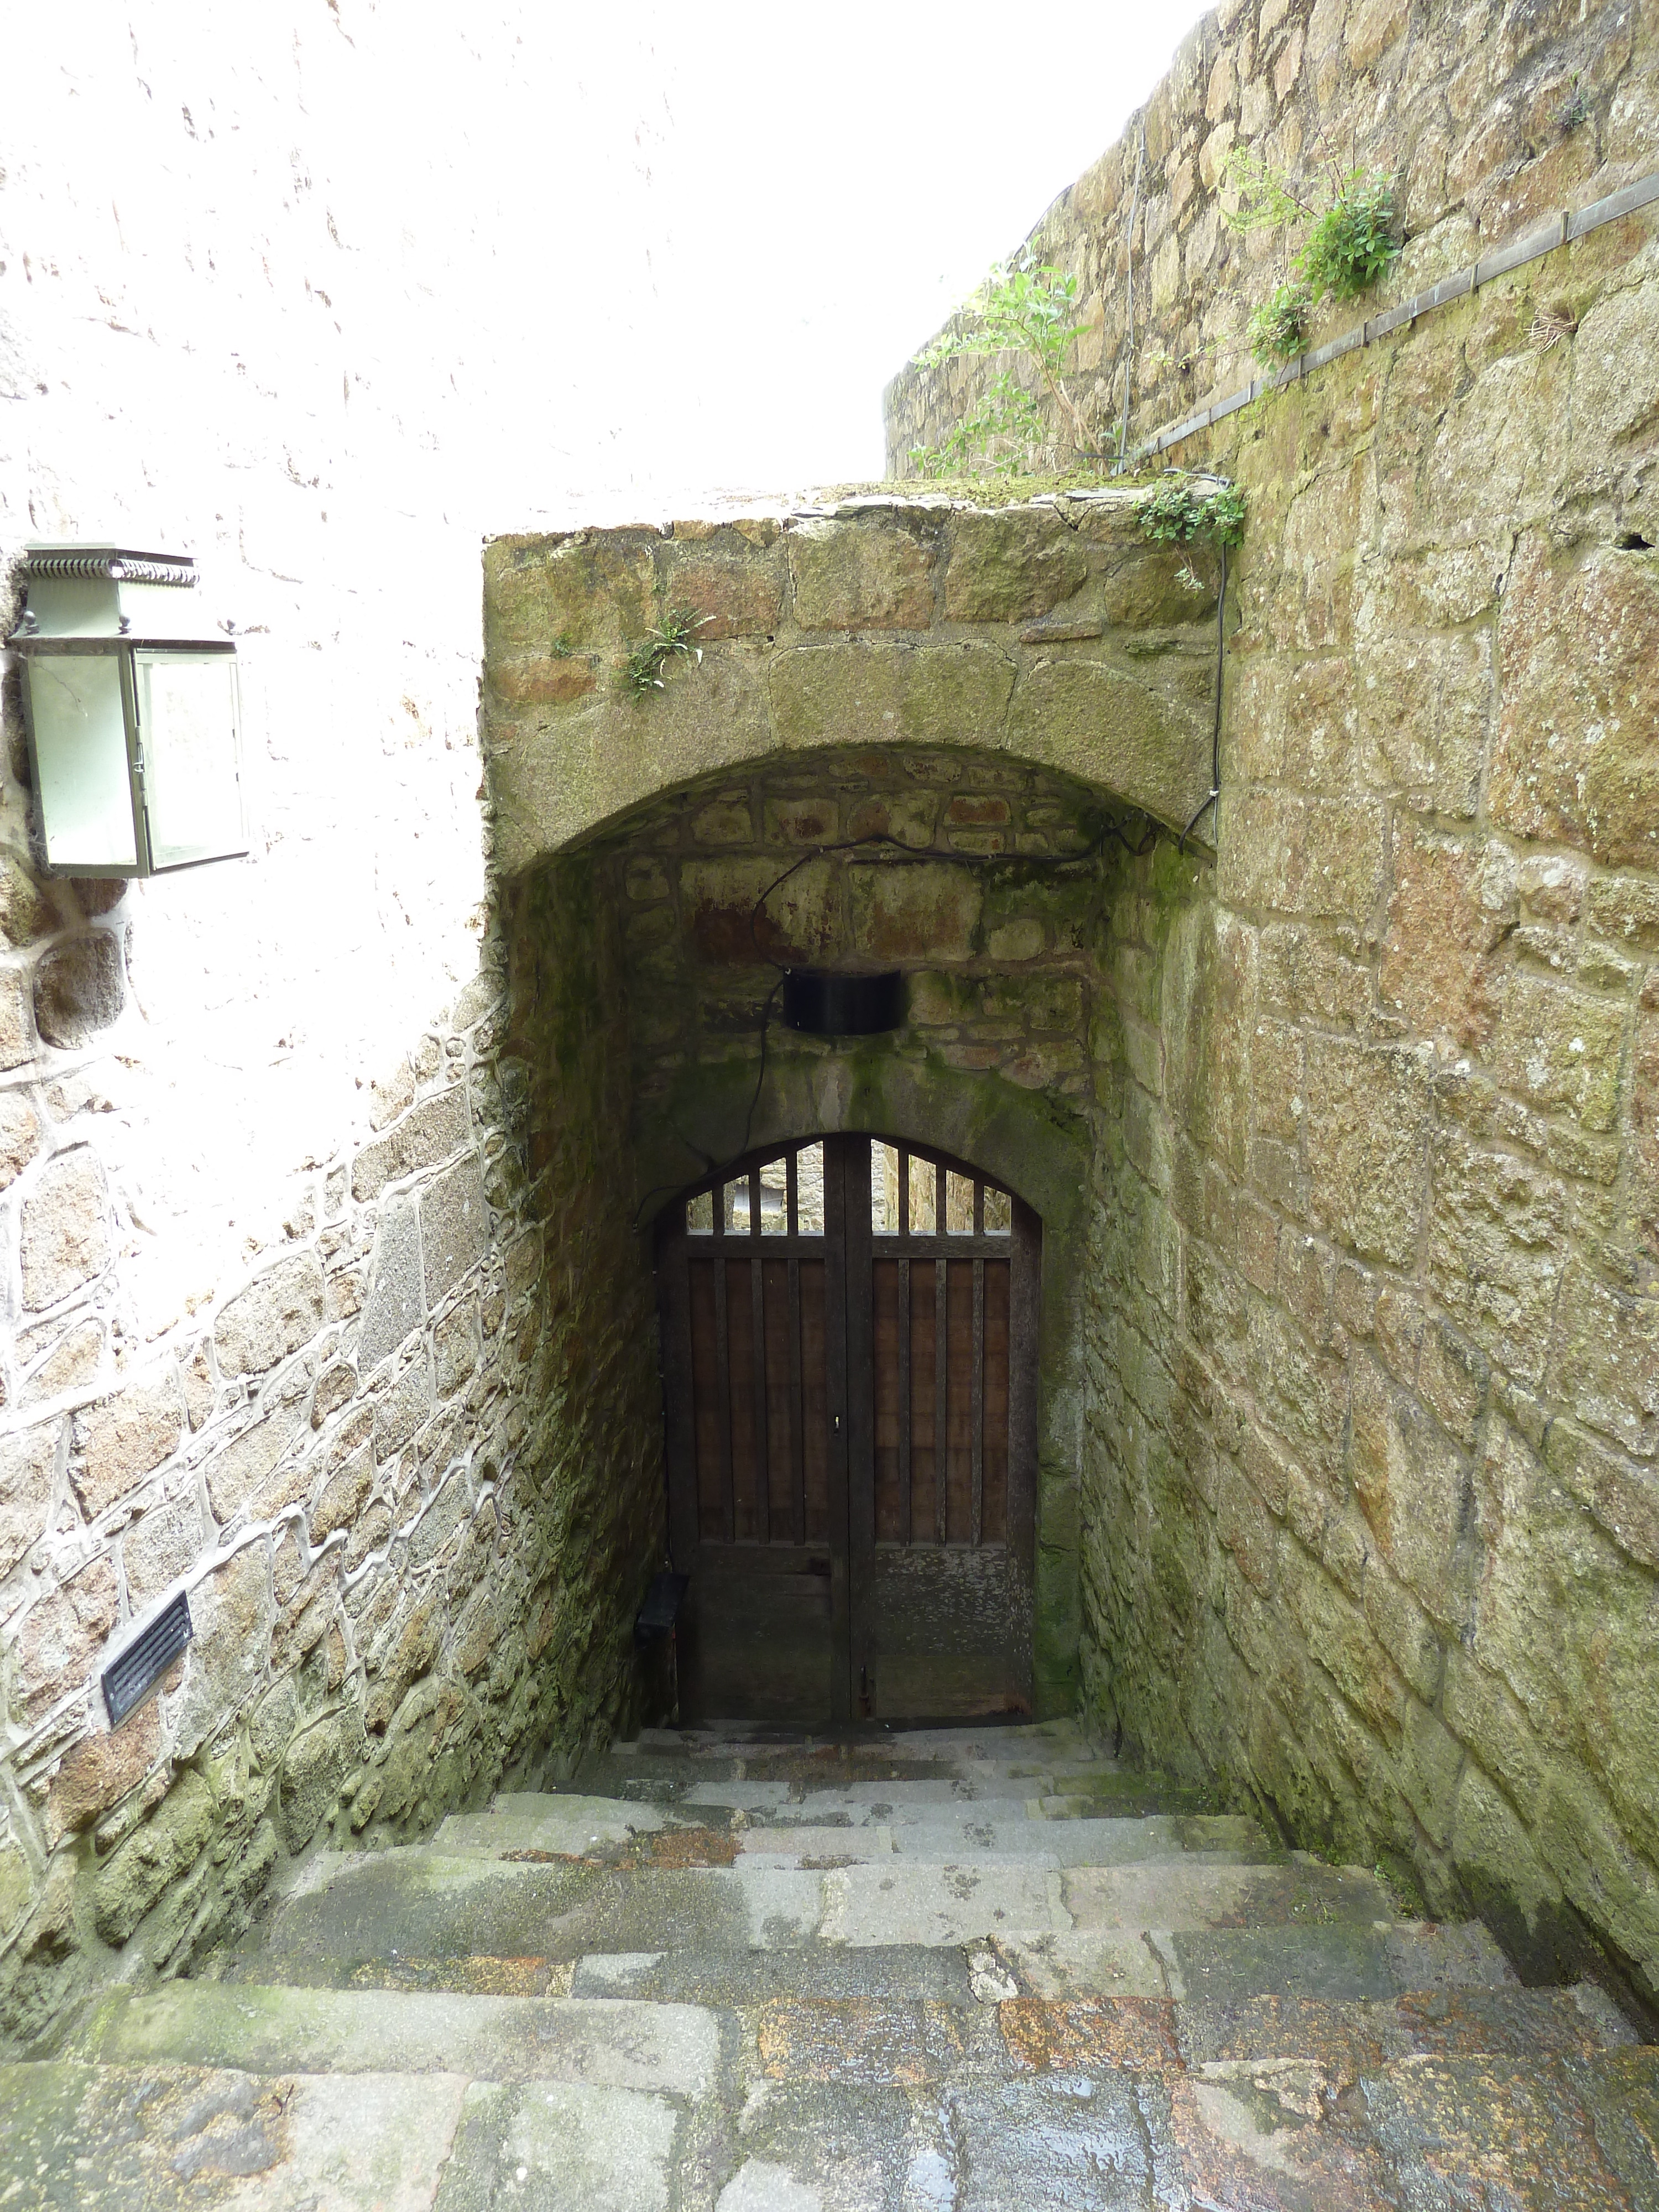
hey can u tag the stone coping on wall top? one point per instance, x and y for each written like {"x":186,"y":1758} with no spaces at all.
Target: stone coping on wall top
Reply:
{"x":846,"y":503}
{"x":1557,"y":230}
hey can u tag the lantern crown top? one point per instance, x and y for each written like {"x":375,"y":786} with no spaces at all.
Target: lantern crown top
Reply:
{"x":116,"y":564}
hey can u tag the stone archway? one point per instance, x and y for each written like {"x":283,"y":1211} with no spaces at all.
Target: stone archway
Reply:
{"x":1050,"y":631}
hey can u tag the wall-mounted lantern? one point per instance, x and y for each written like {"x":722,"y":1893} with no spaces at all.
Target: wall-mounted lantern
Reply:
{"x":134,"y":733}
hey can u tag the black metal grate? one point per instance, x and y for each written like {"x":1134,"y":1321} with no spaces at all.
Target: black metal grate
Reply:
{"x":130,"y":1679}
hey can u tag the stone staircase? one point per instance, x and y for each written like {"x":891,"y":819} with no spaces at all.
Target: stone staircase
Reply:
{"x":964,"y":1971}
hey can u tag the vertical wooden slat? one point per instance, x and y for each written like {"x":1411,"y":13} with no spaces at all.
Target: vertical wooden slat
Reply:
{"x":844,"y":1192}
{"x":859,"y":1402}
{"x":905,"y":1529}
{"x":977,"y":1415}
{"x":941,"y":1399}
{"x":723,"y":1391}
{"x":797,"y":1411}
{"x":758,"y":1302}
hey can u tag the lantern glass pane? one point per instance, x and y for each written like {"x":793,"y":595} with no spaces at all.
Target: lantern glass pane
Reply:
{"x":192,"y":767}
{"x":81,"y":760}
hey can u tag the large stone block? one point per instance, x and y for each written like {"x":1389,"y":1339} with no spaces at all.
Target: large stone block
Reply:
{"x":1011,"y":565}
{"x":65,"y":1239}
{"x":1369,"y":1110}
{"x":426,"y":1135}
{"x":59,"y":1637}
{"x":1145,"y":738}
{"x":233,"y":1609}
{"x":279,"y":1311}
{"x":1451,"y":907}
{"x":1578,"y":754}
{"x":80,"y":988}
{"x":160,"y":1546}
{"x":235,"y":1472}
{"x":29,"y":1470}
{"x":154,"y":1857}
{"x":454,"y":1227}
{"x":396,"y":1304}
{"x":594,"y":588}
{"x":1558,"y":1048}
{"x":1415,"y":1491}
{"x":1496,"y":1236}
{"x":120,"y":1440}
{"x":317,"y":1763}
{"x":20,"y":1135}
{"x":734,"y":590}
{"x":873,"y":573}
{"x":881,"y":695}
{"x":1319,"y":857}
{"x":1604,"y":1358}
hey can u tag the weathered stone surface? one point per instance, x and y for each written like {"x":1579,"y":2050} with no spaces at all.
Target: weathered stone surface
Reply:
{"x":1011,"y":565}
{"x":101,"y":1769}
{"x":29,"y":1468}
{"x":235,"y":1472}
{"x":1147,"y":744}
{"x":455,"y":1228}
{"x":160,"y":1546}
{"x":231,"y":1610}
{"x":65,"y":1239}
{"x":594,"y":589}
{"x":61,"y":1633}
{"x":1368,"y":1125}
{"x":153,"y":1857}
{"x":425,"y":1136}
{"x":1576,"y":758}
{"x":20,"y":1135}
{"x":873,"y":573}
{"x":120,"y":1440}
{"x":279,"y":1311}
{"x":80,"y":988}
{"x":883,"y":694}
{"x":1448,"y":913}
{"x":395,"y":1302}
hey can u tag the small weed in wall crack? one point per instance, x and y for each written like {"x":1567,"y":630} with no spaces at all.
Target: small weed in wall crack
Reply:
{"x":1182,"y":511}
{"x":673,"y":639}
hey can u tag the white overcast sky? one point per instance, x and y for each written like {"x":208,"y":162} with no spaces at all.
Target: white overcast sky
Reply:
{"x":762,"y":209}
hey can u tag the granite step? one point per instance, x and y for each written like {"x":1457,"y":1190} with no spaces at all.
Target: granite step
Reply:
{"x":524,"y":1826}
{"x":356,"y":1908}
{"x":902,"y":2105}
{"x":674,"y":2049}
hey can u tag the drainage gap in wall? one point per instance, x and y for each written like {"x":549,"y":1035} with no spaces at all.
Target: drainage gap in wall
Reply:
{"x":1633,"y":542}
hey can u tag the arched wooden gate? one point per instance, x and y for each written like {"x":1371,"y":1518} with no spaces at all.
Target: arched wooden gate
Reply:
{"x":849,"y":1334}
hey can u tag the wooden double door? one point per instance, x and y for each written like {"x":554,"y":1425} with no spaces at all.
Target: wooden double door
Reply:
{"x":849,"y":1333}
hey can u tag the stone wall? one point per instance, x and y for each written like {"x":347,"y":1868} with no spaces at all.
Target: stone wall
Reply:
{"x":1490,"y":118}
{"x":1373,"y":1519}
{"x":281,"y":1325}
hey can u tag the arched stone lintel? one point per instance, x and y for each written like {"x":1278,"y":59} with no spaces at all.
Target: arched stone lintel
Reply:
{"x":1059,"y":638}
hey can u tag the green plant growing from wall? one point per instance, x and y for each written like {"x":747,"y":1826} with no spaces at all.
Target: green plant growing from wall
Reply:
{"x":1184,"y":512}
{"x":1353,"y":234}
{"x":1032,"y":311}
{"x":1278,"y":330}
{"x":673,"y":639}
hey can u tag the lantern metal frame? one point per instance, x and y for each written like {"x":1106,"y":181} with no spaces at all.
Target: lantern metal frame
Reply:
{"x":127,"y":618}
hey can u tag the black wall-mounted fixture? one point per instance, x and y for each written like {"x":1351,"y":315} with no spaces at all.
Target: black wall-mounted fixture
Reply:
{"x":823,"y":1004}
{"x":129,"y":1680}
{"x":661,"y":1609}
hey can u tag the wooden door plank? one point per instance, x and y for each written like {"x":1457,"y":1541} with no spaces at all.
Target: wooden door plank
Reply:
{"x":758,"y":1377}
{"x":723,"y":1381}
{"x":976,"y":1407}
{"x":679,"y":1425}
{"x":841,"y":1204}
{"x":941,"y":1401}
{"x":905,"y":1415}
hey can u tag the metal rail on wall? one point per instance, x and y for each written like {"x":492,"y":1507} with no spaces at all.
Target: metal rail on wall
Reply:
{"x":1560,"y":229}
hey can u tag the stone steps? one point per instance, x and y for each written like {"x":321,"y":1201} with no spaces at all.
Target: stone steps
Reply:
{"x":740,"y":1973}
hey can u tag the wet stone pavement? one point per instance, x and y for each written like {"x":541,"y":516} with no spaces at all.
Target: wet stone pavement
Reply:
{"x":959,"y":1972}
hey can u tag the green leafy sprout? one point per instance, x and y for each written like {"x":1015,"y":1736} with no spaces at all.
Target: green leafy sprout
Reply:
{"x":1353,"y":237}
{"x":673,"y":639}
{"x":1028,"y":309}
{"x":1188,"y":509}
{"x":1278,"y":330}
